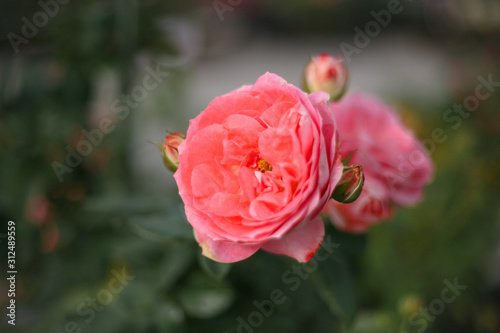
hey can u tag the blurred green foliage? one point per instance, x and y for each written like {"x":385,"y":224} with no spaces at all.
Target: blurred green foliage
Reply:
{"x":100,"y":219}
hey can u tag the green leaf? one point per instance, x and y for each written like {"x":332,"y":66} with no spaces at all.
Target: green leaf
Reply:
{"x":346,"y":160}
{"x":174,"y":265}
{"x":204,"y":297}
{"x":169,"y":317}
{"x":124,"y":205}
{"x":159,"y":226}
{"x":333,"y":283}
{"x":213,"y":268}
{"x":352,"y":246}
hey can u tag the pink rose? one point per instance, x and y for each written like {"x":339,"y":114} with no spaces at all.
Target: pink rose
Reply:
{"x":395,"y":164}
{"x":257,"y":167}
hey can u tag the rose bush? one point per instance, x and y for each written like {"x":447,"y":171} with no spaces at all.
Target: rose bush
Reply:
{"x":395,"y":164}
{"x":257,"y":167}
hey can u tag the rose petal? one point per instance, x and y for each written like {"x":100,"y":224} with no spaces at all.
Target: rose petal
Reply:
{"x":224,"y":251}
{"x":301,"y":243}
{"x":242,"y":102}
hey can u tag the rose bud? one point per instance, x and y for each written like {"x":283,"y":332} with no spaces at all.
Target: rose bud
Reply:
{"x":395,"y":164}
{"x":170,"y":152}
{"x":326,"y":73}
{"x":350,"y":184}
{"x":257,"y":167}
{"x":38,"y":209}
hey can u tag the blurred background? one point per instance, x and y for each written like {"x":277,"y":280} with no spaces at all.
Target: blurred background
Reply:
{"x":102,"y":244}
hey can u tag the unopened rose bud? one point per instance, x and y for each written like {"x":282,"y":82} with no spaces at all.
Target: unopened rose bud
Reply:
{"x":326,"y":73}
{"x":170,"y":152}
{"x":350,"y":184}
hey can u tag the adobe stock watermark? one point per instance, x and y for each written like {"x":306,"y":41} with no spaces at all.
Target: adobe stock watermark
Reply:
{"x":87,"y":309}
{"x":222,"y":6}
{"x":454,"y":116}
{"x":292,"y":279}
{"x":121,"y":107}
{"x":372,"y":29}
{"x":437,"y":306}
{"x":29,"y":29}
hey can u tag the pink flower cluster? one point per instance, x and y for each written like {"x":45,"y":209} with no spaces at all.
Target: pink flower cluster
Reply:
{"x":259,"y":165}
